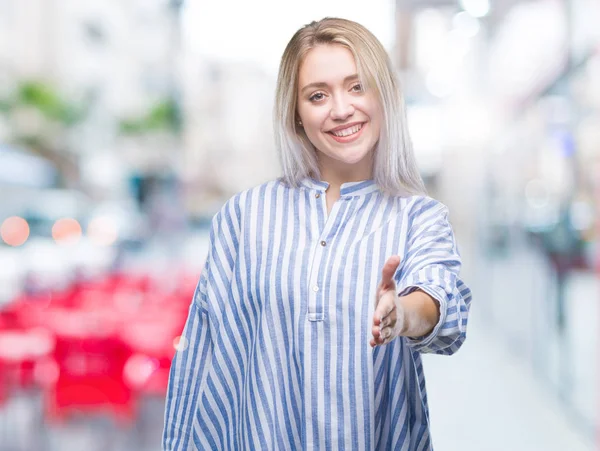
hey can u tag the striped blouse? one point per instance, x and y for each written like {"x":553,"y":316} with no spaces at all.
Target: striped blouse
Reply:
{"x":275,"y":353}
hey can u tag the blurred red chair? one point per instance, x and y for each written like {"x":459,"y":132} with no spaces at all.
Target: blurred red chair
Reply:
{"x":90,"y":361}
{"x":153,"y":337}
{"x":20,"y":352}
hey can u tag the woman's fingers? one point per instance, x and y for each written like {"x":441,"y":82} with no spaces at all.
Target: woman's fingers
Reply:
{"x":382,"y":337}
{"x":389,"y":320}
{"x":385,"y":333}
{"x":385,"y":306}
{"x":384,"y":317}
{"x":388,"y":271}
{"x":382,"y":329}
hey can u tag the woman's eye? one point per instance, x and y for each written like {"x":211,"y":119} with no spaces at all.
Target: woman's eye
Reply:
{"x":357,"y":88}
{"x":316,"y":97}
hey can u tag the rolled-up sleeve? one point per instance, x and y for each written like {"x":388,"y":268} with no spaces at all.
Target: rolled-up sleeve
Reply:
{"x":432,"y":264}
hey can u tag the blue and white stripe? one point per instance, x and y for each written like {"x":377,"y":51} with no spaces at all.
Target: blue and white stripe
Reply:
{"x":278,"y":354}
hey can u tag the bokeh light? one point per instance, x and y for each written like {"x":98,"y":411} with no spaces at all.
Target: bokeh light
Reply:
{"x":138,"y":369}
{"x":102,"y":231}
{"x":66,"y":231}
{"x":180,"y":343}
{"x":14,"y":231}
{"x":476,"y":8}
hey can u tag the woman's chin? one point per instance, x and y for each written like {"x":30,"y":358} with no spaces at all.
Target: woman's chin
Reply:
{"x":352,"y":159}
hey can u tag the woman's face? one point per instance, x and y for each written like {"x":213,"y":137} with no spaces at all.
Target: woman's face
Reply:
{"x":340,"y":118}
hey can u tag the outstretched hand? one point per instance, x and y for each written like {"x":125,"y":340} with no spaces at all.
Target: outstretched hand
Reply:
{"x":388,"y":319}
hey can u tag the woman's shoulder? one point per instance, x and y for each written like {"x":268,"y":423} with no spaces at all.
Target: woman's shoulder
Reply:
{"x":262,"y":187}
{"x":418,"y":205}
{"x":251,"y":197}
{"x":254,"y":190}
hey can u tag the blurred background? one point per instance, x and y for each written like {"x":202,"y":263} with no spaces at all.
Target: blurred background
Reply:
{"x":126,"y":124}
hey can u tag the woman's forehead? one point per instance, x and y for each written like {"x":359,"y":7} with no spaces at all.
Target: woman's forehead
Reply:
{"x":327,"y":64}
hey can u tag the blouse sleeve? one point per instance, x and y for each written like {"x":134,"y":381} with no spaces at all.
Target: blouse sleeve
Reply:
{"x":432,"y":263}
{"x":192,"y":361}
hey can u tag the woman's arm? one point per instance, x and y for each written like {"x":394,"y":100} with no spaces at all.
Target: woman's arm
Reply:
{"x":187,"y":377}
{"x":429,"y":282}
{"x":193,"y":360}
{"x":421,"y":314}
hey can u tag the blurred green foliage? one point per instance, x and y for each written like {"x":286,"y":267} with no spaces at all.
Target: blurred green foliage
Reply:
{"x":48,"y":102}
{"x":163,"y":116}
{"x":46,"y":99}
{"x":59,"y":115}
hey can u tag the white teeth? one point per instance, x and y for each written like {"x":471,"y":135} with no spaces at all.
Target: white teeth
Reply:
{"x":348,"y":131}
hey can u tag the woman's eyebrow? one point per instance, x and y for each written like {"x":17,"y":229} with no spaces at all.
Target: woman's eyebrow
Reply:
{"x":320,"y":84}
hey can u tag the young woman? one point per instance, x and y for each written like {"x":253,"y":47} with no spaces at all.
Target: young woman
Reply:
{"x":322,"y":288}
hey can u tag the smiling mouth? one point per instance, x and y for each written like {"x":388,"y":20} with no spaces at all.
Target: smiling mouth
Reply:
{"x":344,"y":133}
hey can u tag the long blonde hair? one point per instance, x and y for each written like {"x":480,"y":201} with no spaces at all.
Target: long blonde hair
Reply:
{"x":394,"y":170}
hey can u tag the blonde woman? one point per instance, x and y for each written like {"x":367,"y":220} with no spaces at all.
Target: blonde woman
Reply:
{"x":322,"y":288}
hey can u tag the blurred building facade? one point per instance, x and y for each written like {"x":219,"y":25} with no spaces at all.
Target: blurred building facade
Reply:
{"x":114,"y":60}
{"x":228,"y":131}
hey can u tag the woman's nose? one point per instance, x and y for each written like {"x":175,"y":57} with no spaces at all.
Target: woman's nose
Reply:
{"x":341,"y":108}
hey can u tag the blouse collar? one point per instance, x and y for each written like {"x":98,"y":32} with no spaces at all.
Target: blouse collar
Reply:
{"x":348,"y":189}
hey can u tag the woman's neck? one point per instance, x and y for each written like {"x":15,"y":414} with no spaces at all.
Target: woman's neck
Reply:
{"x":336,"y":177}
